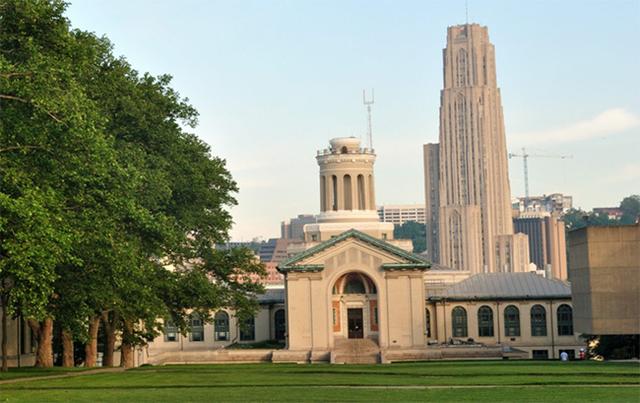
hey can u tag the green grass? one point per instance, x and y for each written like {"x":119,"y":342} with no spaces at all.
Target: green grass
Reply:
{"x":494,"y":381}
{"x":30,"y":372}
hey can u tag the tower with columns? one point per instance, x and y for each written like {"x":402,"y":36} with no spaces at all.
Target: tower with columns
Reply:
{"x":347,"y":192}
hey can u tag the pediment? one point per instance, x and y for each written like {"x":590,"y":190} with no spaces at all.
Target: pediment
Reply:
{"x":354,"y":245}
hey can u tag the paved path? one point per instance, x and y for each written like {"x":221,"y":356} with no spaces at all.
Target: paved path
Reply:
{"x":65,"y":375}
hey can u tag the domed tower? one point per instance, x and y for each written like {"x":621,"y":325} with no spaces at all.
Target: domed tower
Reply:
{"x":347,"y":196}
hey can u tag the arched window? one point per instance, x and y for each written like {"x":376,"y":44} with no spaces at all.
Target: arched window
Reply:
{"x":511,"y":321}
{"x":428,"y":322}
{"x":334,"y":193}
{"x":280,"y":324}
{"x":354,"y":285}
{"x":538,"y":321}
{"x":343,"y":150}
{"x":248,"y":329}
{"x":565,"y":320}
{"x":221,"y":326}
{"x":348,"y":205}
{"x":361,"y":195}
{"x":197,"y":328}
{"x":459,"y":322}
{"x":485,"y":321}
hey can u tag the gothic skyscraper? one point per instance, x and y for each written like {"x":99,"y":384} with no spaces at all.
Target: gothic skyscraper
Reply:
{"x":470,"y":211}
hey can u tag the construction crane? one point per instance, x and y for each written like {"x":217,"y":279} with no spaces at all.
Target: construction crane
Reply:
{"x":525,"y":156}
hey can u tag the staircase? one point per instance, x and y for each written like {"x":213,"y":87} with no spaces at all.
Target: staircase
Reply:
{"x":355,"y":351}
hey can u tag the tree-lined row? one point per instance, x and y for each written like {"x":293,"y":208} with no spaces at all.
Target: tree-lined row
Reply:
{"x":101,"y":188}
{"x":629,"y":206}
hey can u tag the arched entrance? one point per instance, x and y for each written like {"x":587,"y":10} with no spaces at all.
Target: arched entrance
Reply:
{"x":354,"y":306}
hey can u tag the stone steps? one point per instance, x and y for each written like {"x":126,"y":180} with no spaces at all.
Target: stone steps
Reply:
{"x":355,"y":351}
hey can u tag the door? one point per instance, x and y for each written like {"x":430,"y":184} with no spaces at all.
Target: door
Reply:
{"x":354,"y":318}
{"x":280,"y":324}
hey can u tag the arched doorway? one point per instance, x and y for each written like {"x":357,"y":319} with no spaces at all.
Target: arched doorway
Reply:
{"x":355,"y":307}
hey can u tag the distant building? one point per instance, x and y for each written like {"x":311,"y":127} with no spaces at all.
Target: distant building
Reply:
{"x":253,"y":245}
{"x":399,"y":214}
{"x":554,"y":203}
{"x":273,"y":276}
{"x":547,"y":245}
{"x":604,"y":270}
{"x":469,"y":164}
{"x":274,"y":250}
{"x":613,"y":213}
{"x":293,"y":228}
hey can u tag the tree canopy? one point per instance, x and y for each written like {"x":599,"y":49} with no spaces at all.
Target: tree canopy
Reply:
{"x":415,"y":231}
{"x":102,"y":189}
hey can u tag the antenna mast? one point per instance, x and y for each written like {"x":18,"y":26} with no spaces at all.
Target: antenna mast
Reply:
{"x":466,"y":10}
{"x":368,"y":104}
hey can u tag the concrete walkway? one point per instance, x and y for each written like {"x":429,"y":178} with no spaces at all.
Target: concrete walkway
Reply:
{"x":65,"y":375}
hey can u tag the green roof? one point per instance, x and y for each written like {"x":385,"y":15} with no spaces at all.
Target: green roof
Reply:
{"x":413,"y":261}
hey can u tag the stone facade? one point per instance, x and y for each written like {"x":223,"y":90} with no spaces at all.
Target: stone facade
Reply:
{"x":604,"y":270}
{"x":547,"y":241}
{"x":473,"y":195}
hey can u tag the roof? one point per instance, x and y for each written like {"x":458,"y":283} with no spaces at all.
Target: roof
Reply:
{"x":413,"y":261}
{"x":271,"y":296}
{"x":504,"y":286}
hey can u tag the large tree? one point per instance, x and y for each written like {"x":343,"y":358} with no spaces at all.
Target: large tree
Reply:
{"x":415,"y":231}
{"x":117,"y":192}
{"x":630,"y":207}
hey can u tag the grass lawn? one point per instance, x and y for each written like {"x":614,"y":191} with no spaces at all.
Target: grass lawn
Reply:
{"x":437,"y":381}
{"x":30,"y":372}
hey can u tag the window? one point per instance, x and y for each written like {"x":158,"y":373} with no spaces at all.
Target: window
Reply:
{"x":538,"y":321}
{"x":428,"y":322}
{"x":459,"y":321}
{"x":221,"y":326}
{"x":170,"y":331}
{"x":280,"y":324}
{"x":334,"y":193}
{"x":565,"y":320}
{"x":511,"y":321}
{"x":197,"y":329}
{"x":485,"y":321}
{"x":540,"y":354}
{"x":248,"y":329}
{"x":354,"y":286}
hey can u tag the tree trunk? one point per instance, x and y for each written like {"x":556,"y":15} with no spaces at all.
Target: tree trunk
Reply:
{"x":91,"y":347}
{"x":67,"y":349}
{"x":126,"y":347}
{"x":110,"y":323}
{"x":44,"y":332}
{"x":5,"y":359}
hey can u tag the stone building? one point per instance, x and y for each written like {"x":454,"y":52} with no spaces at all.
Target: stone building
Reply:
{"x":471,"y":208}
{"x":356,"y":295}
{"x":398,"y":214}
{"x":547,"y":241}
{"x":604,"y":269}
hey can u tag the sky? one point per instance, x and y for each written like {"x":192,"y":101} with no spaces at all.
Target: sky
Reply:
{"x":274,"y":80}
